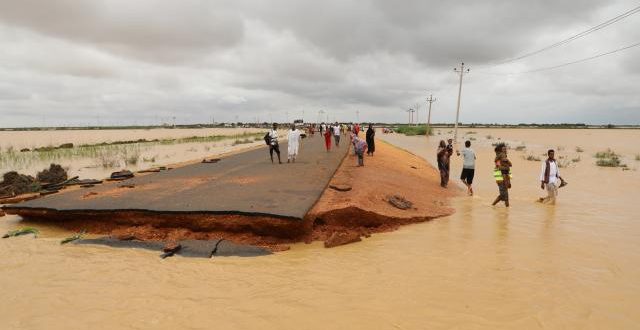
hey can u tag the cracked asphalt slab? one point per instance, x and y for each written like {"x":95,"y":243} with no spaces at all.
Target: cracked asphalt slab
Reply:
{"x":246,"y":183}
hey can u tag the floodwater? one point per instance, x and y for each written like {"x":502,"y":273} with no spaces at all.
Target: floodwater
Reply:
{"x":98,"y":162}
{"x":575,"y":265}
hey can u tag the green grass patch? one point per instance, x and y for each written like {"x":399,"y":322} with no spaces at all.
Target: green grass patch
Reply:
{"x":610,"y":162}
{"x":606,"y":154}
{"x":608,"y":158}
{"x":414,"y":130}
{"x":105,"y":154}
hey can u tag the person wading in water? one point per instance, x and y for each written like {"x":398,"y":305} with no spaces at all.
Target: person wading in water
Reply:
{"x":503,"y":180}
{"x":273,"y":143}
{"x":549,"y":177}
{"x":468,"y":166}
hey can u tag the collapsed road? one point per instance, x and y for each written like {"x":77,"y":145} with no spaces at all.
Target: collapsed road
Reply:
{"x":244,"y":192}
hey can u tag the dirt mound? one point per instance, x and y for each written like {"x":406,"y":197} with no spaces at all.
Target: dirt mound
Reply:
{"x":54,"y":174}
{"x":14,"y":183}
{"x":386,"y":194}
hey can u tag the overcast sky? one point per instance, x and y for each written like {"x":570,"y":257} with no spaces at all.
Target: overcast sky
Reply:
{"x":71,"y":62}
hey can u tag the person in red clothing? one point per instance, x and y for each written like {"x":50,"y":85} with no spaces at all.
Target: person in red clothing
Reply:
{"x":356,"y":129}
{"x":327,"y":138}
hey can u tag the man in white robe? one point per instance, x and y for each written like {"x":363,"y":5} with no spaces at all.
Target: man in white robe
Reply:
{"x":294,"y":144}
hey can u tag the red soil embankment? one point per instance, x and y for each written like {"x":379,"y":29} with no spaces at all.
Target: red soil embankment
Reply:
{"x":365,"y":208}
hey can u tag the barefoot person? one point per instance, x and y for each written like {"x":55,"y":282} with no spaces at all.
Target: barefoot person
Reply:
{"x":273,"y":143}
{"x":294,"y":144}
{"x":468,"y":166}
{"x":371,"y":133}
{"x":550,"y":178}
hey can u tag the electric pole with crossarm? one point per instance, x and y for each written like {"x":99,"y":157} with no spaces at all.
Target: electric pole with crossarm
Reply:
{"x":430,"y":100}
{"x":462,"y":72}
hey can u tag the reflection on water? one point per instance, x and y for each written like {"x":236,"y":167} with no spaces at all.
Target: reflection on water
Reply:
{"x":532,"y":266}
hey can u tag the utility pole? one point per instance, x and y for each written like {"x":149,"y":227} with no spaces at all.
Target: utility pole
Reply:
{"x":410,"y":117}
{"x":430,"y":100}
{"x":462,"y":72}
{"x":357,"y":116}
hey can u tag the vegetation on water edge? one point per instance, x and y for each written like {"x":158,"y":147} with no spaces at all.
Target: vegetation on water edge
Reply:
{"x":414,"y":130}
{"x":22,"y":231}
{"x":245,"y":141}
{"x":606,"y":154}
{"x":107,"y":155}
{"x":608,"y":158}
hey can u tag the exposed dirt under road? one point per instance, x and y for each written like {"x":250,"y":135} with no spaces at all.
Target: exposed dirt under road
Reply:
{"x":365,"y":207}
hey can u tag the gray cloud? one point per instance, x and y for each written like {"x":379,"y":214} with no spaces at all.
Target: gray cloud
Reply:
{"x":145,"y":61}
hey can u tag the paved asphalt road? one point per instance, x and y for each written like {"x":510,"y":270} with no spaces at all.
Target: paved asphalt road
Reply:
{"x":245,"y":183}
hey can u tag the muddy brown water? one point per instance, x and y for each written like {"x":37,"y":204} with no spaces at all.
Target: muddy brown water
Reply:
{"x":572,"y":266}
{"x":147,"y":155}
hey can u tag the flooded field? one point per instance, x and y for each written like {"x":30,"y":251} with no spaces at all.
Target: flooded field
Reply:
{"x":97,"y":153}
{"x":532,"y":266}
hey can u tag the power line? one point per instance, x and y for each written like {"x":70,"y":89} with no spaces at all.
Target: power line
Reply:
{"x":574,"y":37}
{"x":569,"y":63}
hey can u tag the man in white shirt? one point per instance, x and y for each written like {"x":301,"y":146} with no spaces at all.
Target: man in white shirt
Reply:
{"x":550,"y":178}
{"x":273,"y":143}
{"x":468,"y":166}
{"x":336,"y":134}
{"x":294,"y":144}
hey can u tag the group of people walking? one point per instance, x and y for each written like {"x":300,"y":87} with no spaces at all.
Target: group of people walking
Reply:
{"x":328,"y":131}
{"x":550,"y":178}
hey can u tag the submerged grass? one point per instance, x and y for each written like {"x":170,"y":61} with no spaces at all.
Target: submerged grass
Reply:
{"x":532,"y":158}
{"x":606,"y":154}
{"x":608,"y":158}
{"x":107,"y":155}
{"x":414,"y":130}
